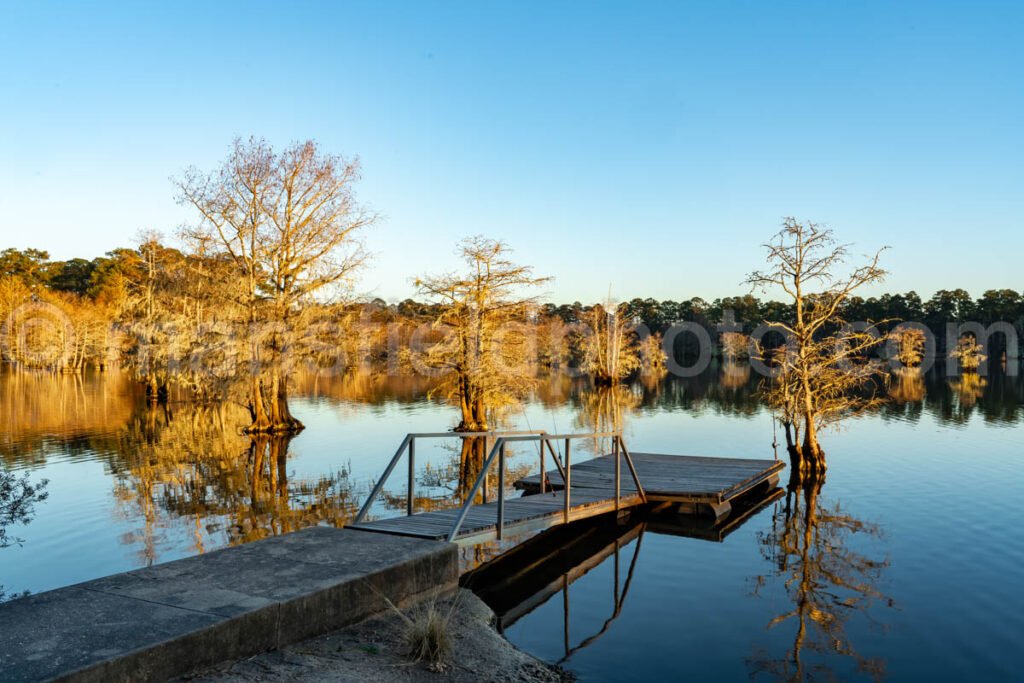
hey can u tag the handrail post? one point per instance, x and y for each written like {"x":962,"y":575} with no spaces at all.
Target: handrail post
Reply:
{"x":568,"y":477}
{"x":473,"y":491}
{"x":501,"y":489}
{"x":380,"y":482}
{"x":618,"y":469}
{"x":483,"y":491}
{"x":498,"y":452}
{"x":632,"y":470}
{"x":411,"y":502}
{"x":558,"y":463}
{"x":543,"y":474}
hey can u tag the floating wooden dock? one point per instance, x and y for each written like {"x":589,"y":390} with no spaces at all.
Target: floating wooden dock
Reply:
{"x":695,"y":482}
{"x":596,"y":486}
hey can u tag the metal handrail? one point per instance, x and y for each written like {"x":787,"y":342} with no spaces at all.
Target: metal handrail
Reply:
{"x":498,"y":452}
{"x":409,"y":442}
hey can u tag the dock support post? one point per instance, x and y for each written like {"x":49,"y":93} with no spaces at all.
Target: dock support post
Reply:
{"x":568,"y":476}
{"x":410,"y":504}
{"x":501,"y":489}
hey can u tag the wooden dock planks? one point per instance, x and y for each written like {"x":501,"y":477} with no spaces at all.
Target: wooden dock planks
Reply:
{"x":669,"y":478}
{"x":538,"y":511}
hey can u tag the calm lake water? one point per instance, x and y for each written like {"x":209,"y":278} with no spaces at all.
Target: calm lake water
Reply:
{"x":905,"y":565}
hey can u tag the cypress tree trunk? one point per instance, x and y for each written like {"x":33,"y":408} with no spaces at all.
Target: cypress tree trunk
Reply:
{"x":284,"y":420}
{"x":257,"y":409}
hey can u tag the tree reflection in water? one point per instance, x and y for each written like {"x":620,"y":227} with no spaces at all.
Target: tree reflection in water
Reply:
{"x":969,"y":388}
{"x":810,"y":548}
{"x":449,"y":484}
{"x":605,"y":409}
{"x":191,"y":463}
{"x":18,"y":497}
{"x":735,"y":376}
{"x":907,"y":386}
{"x":185,"y":480}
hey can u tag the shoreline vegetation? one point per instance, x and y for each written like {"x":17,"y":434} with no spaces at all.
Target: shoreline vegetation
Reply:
{"x":136,"y":308}
{"x":100,"y":300}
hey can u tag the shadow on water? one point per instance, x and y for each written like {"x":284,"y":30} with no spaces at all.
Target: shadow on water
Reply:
{"x":819,"y":556}
{"x":540,"y":569}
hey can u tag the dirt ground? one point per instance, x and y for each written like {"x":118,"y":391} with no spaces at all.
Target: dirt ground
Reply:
{"x":373,"y":651}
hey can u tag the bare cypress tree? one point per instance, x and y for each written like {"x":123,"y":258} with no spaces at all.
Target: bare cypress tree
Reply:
{"x":290,"y":223}
{"x":483,"y":353}
{"x":610,"y":350}
{"x":824,"y":366}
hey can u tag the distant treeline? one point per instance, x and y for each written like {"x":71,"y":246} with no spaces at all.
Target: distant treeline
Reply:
{"x":121,"y":285}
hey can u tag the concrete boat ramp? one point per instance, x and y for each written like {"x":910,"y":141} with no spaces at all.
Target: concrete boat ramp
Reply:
{"x":167,"y":620}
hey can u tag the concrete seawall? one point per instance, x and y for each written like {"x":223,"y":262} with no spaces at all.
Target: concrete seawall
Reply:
{"x":167,"y":620}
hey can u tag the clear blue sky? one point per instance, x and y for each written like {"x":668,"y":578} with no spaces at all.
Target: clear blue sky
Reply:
{"x":646,"y":146}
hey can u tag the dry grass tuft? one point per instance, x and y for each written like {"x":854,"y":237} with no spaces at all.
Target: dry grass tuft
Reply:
{"x":427,"y":633}
{"x":428,"y":637}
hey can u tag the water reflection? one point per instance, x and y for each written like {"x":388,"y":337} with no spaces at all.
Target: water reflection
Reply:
{"x":186,"y":466}
{"x":447,"y":484}
{"x":907,"y":386}
{"x":73,"y":415}
{"x":363,"y":387}
{"x":726,"y":389}
{"x":997,"y":398}
{"x":555,"y":560}
{"x":735,"y":375}
{"x":531,"y":573}
{"x":36,"y":407}
{"x":18,"y":498}
{"x":189,"y":467}
{"x":605,"y":409}
{"x":827,"y":579}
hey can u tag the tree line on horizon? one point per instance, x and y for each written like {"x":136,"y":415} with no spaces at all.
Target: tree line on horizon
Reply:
{"x":157,"y":281}
{"x":105,"y":279}
{"x":104,"y":283}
